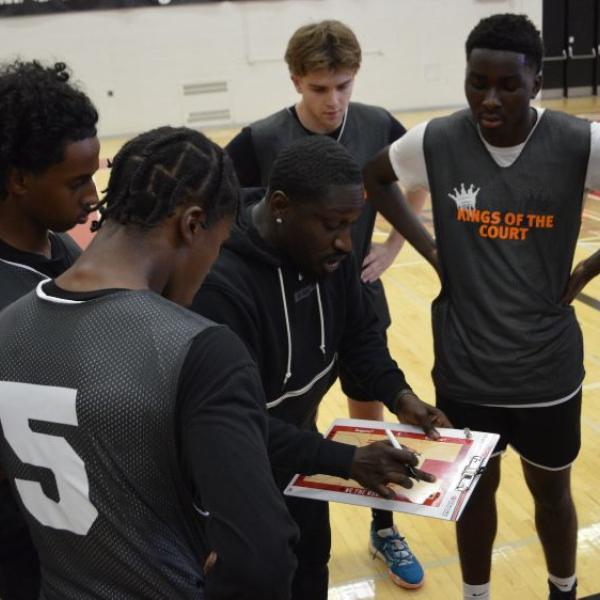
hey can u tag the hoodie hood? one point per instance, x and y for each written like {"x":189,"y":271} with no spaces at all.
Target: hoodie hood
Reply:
{"x":245,"y":239}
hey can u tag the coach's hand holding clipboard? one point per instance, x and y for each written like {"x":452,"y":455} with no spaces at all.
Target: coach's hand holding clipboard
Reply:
{"x":411,"y":410}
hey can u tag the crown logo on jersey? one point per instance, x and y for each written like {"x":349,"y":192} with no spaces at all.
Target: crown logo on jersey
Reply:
{"x":465,"y":198}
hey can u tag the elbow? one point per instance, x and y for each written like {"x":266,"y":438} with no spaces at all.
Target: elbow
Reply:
{"x":372,"y":186}
{"x":368,"y":174}
{"x":377,"y":185}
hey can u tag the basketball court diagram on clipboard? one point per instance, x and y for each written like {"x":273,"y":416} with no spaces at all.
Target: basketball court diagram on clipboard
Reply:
{"x":456,"y":459}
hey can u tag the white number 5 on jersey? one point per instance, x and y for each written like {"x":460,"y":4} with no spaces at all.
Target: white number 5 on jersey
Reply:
{"x":20,"y":402}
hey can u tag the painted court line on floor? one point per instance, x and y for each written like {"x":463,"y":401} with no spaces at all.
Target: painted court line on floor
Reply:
{"x":409,"y":263}
{"x":589,"y":535}
{"x":589,"y":300}
{"x":588,"y":215}
{"x":591,"y":245}
{"x":590,"y":357}
{"x":379,"y":233}
{"x":365,"y":590}
{"x":591,"y":424}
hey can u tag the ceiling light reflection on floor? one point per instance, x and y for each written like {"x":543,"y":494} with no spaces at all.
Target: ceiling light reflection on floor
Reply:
{"x":358,"y":590}
{"x":589,"y":539}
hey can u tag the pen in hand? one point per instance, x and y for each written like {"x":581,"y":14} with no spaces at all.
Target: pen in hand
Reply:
{"x":409,"y":468}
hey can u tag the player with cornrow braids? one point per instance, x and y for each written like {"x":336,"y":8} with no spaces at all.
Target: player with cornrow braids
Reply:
{"x":48,"y":155}
{"x":165,"y":485}
{"x":165,"y":160}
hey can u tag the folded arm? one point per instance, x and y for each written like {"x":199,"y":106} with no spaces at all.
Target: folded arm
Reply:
{"x":387,"y":197}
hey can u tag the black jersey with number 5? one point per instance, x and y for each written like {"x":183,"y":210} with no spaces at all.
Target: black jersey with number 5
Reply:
{"x":88,"y":441}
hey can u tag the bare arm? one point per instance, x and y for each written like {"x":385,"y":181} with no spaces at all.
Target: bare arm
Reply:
{"x":382,"y":191}
{"x":582,"y":274}
{"x":382,"y":256}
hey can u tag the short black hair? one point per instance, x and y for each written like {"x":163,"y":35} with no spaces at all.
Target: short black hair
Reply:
{"x":515,"y":33}
{"x":306,"y":169}
{"x":164,"y":168}
{"x":40,"y":113}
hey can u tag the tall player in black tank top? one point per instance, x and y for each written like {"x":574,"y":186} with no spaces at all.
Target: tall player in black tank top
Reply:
{"x":507,"y":182}
{"x":48,"y":155}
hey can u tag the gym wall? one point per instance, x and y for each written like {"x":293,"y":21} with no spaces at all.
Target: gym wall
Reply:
{"x":221,"y":63}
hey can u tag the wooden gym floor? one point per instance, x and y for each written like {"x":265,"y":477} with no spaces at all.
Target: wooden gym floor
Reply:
{"x":519,"y":571}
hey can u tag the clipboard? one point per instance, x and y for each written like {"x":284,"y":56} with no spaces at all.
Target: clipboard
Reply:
{"x":457,"y":460}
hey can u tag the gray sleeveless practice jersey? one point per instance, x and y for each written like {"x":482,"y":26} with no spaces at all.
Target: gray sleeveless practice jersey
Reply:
{"x":506,"y":238}
{"x":88,"y":420}
{"x":366,"y":131}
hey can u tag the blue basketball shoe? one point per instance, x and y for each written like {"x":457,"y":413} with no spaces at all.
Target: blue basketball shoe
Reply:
{"x":403,"y":567}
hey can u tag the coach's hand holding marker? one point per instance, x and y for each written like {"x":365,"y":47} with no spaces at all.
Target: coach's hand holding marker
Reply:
{"x":412,"y":472}
{"x":379,"y":464}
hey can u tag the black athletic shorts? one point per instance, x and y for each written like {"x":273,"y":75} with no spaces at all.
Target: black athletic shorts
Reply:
{"x":547,"y":437}
{"x":375,"y":294}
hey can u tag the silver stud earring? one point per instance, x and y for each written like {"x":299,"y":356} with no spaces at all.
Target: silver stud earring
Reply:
{"x":279,"y":220}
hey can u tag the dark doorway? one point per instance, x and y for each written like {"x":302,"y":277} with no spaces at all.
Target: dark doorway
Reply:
{"x":571,"y":36}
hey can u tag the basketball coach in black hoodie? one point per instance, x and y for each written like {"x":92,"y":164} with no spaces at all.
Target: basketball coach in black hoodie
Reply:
{"x":288,"y":284}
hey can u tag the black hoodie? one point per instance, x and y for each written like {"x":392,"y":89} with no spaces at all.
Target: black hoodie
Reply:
{"x":296,"y":328}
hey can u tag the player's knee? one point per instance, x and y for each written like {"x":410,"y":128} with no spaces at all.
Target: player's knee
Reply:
{"x":554,"y":499}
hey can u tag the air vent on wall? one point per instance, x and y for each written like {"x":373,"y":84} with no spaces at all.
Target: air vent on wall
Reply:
{"x":208,"y":87}
{"x":204,"y":116}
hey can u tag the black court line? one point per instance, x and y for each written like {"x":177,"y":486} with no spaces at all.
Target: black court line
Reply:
{"x":593,"y":597}
{"x":594,"y":303}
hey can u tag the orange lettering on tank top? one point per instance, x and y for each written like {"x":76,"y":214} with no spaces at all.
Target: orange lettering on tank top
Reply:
{"x":494,"y":224}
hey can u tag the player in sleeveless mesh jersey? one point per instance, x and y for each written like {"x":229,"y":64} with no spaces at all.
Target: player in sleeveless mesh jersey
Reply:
{"x":507,"y":182}
{"x":48,"y":155}
{"x":134,"y":431}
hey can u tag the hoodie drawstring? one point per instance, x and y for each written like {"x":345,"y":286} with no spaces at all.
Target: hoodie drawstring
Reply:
{"x":322,"y":346}
{"x":288,"y":372}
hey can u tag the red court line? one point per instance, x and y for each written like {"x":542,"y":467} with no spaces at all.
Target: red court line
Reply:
{"x":590,"y":214}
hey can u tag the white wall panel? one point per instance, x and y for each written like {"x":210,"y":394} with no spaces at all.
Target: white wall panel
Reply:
{"x":134,"y":63}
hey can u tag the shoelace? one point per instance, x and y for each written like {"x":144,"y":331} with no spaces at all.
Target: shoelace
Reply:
{"x":398,"y":549}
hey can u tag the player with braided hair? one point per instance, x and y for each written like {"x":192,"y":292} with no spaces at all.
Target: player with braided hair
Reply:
{"x":48,"y":155}
{"x":155,"y":415}
{"x":166,"y":157}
